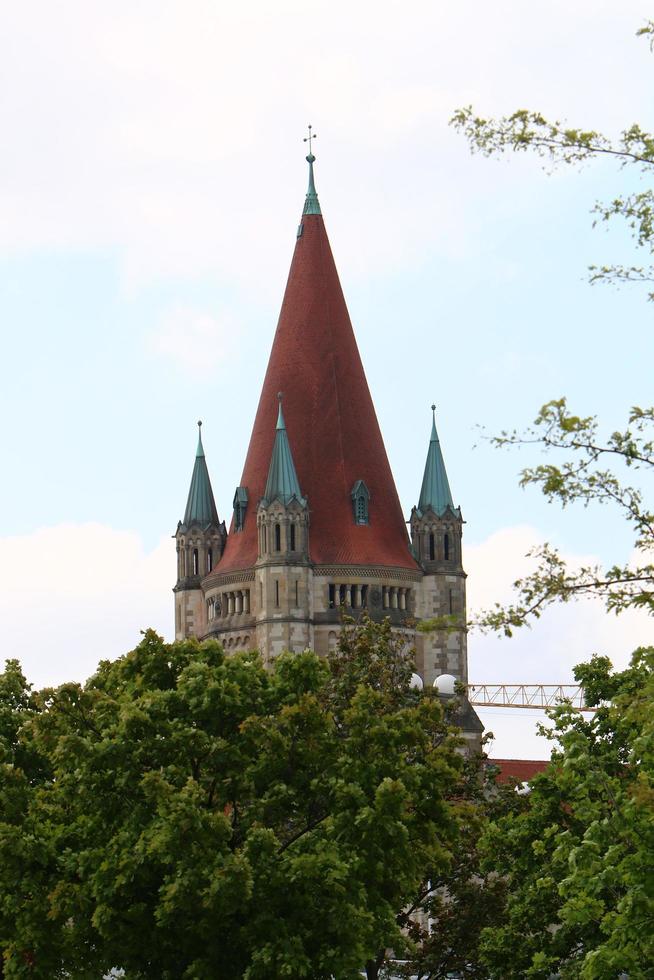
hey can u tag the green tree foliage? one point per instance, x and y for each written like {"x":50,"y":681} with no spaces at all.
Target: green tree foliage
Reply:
{"x":558,"y":143}
{"x":456,"y":903}
{"x":188,"y":814}
{"x":578,"y":862}
{"x":583,"y":466}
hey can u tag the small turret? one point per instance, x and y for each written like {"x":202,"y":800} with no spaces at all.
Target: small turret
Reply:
{"x":282,"y":569}
{"x":436,"y":530}
{"x":436,"y":524}
{"x":200,"y":540}
{"x":282,"y":515}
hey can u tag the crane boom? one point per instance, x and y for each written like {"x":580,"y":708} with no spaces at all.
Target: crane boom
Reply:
{"x":537,"y":696}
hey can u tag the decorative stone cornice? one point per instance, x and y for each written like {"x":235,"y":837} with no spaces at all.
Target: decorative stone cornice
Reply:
{"x":214,"y":581}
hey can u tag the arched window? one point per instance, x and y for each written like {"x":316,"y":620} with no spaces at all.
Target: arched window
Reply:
{"x":196,"y":562}
{"x":432,"y":547}
{"x":209,"y":560}
{"x":278,"y":538}
{"x":446,"y":546}
{"x":292,"y":530}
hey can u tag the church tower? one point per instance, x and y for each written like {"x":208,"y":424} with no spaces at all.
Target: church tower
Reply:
{"x":317,"y":529}
{"x":200,"y":541}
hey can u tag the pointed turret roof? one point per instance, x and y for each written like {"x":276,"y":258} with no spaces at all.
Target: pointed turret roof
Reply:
{"x":200,"y":506}
{"x":435,"y":491}
{"x":282,"y":483}
{"x":329,"y":412}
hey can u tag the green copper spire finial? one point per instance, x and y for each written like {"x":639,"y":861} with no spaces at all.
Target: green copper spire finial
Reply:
{"x":435,"y":491}
{"x":282,"y":483}
{"x":311,"y":204}
{"x":200,"y":449}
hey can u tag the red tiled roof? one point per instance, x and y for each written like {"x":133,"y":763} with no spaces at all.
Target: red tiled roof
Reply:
{"x":331,"y":423}
{"x":522,"y":769}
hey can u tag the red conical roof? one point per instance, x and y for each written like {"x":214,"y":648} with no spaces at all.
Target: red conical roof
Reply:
{"x":331,"y":423}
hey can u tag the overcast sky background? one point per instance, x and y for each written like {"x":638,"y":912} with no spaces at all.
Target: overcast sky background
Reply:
{"x":152,"y":175}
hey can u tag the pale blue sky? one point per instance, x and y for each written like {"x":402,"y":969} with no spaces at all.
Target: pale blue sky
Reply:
{"x":151,"y":181}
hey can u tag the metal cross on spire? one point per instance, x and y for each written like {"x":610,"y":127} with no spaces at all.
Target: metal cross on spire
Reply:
{"x":307,"y":139}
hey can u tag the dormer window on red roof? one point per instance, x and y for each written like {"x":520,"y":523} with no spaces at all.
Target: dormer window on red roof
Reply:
{"x":360,"y":501}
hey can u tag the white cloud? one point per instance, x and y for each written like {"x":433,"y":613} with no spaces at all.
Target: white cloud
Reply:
{"x":195,"y":340}
{"x":159,"y":129}
{"x":75,"y":594}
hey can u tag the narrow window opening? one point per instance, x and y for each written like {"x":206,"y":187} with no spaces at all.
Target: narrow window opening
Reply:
{"x":332,"y":596}
{"x":264,"y":536}
{"x":209,"y":560}
{"x":261,"y":595}
{"x":432,"y":548}
{"x":292,"y":530}
{"x":446,"y":546}
{"x":277,"y":592}
{"x":364,"y":596}
{"x":278,"y":538}
{"x":196,"y":562}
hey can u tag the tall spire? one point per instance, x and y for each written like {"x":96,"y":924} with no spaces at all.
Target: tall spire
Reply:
{"x":334,"y":430}
{"x":200,"y":506}
{"x":311,"y":204}
{"x":435,"y":490}
{"x":282,"y":483}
